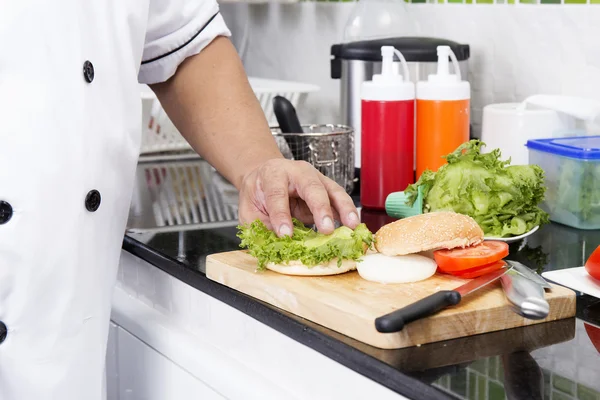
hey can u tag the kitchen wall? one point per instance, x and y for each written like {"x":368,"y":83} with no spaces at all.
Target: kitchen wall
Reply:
{"x":517,"y":50}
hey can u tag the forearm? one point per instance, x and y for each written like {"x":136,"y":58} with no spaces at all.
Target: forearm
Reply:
{"x":212,"y":104}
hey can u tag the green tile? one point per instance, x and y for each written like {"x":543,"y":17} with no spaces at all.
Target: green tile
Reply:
{"x":493,"y":368}
{"x":495,"y":391}
{"x":595,"y":1}
{"x":585,"y":393}
{"x":446,"y":381}
{"x":563,"y":384}
{"x":472,"y":395}
{"x":458,"y":383}
{"x":461,"y":1}
{"x":547,"y":383}
{"x":556,"y":395}
{"x":440,"y":382}
{"x":480,"y":366}
{"x":575,"y":1}
{"x":550,"y":1}
{"x":481,"y":387}
{"x":484,"y":1}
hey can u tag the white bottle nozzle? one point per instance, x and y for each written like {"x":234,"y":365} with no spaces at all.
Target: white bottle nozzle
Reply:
{"x":443,"y":67}
{"x":387,"y":60}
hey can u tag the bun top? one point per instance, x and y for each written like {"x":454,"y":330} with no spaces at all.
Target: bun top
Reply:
{"x":431,"y":231}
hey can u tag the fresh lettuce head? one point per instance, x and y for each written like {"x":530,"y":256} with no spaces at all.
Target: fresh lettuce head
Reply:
{"x":306,"y":245}
{"x":503,"y":199}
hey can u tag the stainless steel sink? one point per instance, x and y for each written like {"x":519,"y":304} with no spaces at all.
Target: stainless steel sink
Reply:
{"x":180,"y":191}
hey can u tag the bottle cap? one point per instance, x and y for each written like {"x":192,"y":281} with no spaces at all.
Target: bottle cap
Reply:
{"x":443,"y":85}
{"x":389,"y":85}
{"x":396,"y":205}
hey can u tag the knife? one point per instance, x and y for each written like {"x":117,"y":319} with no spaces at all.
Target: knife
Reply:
{"x":525,"y":294}
{"x":395,"y":321}
{"x":528,"y":273}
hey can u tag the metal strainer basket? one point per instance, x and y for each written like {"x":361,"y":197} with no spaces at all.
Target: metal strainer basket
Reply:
{"x":329,"y":148}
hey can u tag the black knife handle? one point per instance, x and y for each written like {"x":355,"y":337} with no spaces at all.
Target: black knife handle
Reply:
{"x":395,"y":321}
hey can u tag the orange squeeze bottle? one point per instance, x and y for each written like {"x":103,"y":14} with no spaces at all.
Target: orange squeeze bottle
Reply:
{"x":442,"y":109}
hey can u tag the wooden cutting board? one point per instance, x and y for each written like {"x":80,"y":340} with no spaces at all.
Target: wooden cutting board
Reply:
{"x":348,"y":304}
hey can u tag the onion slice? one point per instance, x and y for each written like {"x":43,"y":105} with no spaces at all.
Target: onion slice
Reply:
{"x":396,"y":269}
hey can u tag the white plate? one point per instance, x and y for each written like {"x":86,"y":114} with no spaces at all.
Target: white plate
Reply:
{"x":575,"y":278}
{"x":513,"y":238}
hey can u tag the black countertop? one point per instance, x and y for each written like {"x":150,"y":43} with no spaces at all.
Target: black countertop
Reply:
{"x":544,"y":361}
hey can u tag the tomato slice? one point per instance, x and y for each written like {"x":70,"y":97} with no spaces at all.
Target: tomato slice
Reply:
{"x":594,"y":335}
{"x":470,"y":257}
{"x":478,"y":271}
{"x":592,"y":265}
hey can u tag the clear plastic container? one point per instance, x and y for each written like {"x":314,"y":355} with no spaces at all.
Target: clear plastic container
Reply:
{"x":377,"y":19}
{"x":572,"y":169}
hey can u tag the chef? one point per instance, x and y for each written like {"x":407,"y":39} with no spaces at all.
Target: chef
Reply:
{"x":69,"y":144}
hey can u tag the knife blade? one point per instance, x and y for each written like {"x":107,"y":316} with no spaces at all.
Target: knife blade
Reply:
{"x":396,"y":320}
{"x":525,"y":296}
{"x":529,"y":274}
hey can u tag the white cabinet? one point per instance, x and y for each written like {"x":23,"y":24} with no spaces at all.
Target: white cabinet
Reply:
{"x":135,"y":371}
{"x":173,"y":342}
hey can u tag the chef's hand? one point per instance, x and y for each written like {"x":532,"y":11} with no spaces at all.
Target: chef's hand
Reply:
{"x":280,"y":189}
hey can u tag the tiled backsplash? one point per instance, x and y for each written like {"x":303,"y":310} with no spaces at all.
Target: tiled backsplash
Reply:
{"x":483,"y":380}
{"x":516,"y":50}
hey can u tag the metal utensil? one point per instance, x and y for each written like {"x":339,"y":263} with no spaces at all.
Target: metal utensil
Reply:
{"x":395,"y":321}
{"x":525,"y":295}
{"x":327,"y":147}
{"x":528,"y":273}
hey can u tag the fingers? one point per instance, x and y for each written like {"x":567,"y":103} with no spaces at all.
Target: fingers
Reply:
{"x":301,"y":212}
{"x":266,"y":196}
{"x":342,"y":203}
{"x":272,"y":189}
{"x":310,"y":188}
{"x":250,"y":209}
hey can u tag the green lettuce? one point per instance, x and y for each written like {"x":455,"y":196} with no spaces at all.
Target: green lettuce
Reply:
{"x":575,"y":197}
{"x":305,"y":245}
{"x":503,"y":199}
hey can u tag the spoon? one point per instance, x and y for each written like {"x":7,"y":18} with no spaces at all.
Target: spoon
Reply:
{"x":512,"y":239}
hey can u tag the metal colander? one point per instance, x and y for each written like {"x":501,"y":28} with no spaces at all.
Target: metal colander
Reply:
{"x":329,"y":148}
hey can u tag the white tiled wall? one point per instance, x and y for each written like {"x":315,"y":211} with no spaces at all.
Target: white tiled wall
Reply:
{"x":517,"y":50}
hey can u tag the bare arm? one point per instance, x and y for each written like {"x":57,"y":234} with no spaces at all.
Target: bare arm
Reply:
{"x":212,"y":104}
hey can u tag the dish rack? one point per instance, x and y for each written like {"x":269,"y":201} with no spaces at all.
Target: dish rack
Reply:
{"x":160,"y":135}
{"x":171,"y":194}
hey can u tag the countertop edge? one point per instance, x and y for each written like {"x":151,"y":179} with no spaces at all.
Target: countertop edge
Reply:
{"x":326,"y":345}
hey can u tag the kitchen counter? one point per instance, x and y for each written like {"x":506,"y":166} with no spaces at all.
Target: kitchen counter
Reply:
{"x":554,"y":360}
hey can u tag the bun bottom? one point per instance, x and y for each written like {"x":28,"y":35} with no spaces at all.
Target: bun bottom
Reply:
{"x":298,"y":269}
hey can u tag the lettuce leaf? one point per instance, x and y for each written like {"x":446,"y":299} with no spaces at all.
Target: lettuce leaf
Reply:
{"x":502,"y":198}
{"x":576,"y":197}
{"x":306,"y":245}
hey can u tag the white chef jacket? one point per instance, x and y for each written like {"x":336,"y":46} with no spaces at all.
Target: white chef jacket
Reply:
{"x":70,"y":117}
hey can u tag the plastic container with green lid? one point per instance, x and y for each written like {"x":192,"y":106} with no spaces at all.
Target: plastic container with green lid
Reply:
{"x":572,"y":178}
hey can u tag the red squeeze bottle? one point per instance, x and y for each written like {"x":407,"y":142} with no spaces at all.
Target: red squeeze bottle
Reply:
{"x":387,"y":133}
